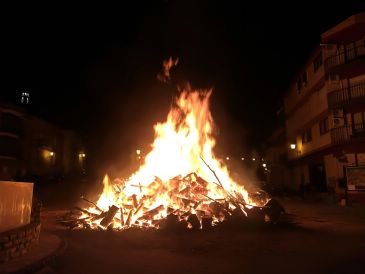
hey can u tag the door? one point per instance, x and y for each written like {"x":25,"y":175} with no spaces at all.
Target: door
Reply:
{"x":317,"y":173}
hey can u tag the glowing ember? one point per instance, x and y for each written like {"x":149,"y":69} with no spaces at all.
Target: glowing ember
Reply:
{"x":179,"y":176}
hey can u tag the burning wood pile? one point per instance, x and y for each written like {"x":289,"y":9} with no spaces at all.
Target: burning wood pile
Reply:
{"x":191,"y":208}
{"x":165,"y":193}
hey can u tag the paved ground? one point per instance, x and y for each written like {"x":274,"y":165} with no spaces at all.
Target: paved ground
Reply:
{"x":325,"y":238}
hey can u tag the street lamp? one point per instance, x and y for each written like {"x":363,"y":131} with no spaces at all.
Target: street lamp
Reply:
{"x":138,"y":151}
{"x":293,"y":146}
{"x":227,"y":158}
{"x":264,"y":165}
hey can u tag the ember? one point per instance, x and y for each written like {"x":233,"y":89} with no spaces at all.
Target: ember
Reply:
{"x":179,"y":183}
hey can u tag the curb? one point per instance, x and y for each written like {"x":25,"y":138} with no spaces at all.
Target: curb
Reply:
{"x":46,"y":261}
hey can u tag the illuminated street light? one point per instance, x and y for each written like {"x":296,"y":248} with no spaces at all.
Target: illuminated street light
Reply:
{"x":293,"y":146}
{"x":264,"y":165}
{"x":138,"y":151}
{"x":51,"y":153}
{"x":242,"y":159}
{"x":227,"y":158}
{"x":253,"y":159}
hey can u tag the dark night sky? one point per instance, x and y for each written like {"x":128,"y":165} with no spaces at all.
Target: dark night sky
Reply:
{"x":93,"y":69}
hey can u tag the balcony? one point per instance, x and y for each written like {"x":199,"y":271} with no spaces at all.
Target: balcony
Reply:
{"x":351,"y":55}
{"x":12,"y":124}
{"x":353,"y":95}
{"x":348,"y":133}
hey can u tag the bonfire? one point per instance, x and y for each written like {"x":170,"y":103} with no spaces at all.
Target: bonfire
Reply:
{"x":180,"y":182}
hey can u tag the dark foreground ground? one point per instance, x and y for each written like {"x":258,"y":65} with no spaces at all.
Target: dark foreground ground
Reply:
{"x":325,"y":238}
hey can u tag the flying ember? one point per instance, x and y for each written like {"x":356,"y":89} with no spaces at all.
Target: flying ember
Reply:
{"x":180,"y":177}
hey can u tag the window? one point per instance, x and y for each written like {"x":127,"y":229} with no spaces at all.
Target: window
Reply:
{"x":318,"y":61}
{"x":323,"y":126}
{"x":307,"y":136}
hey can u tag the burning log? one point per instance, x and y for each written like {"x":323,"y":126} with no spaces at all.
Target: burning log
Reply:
{"x":129,"y":218}
{"x":94,"y":204}
{"x":109,"y":217}
{"x":135,"y":202}
{"x":100,"y":216}
{"x":139,"y":208}
{"x":121,"y":216}
{"x":154,"y":211}
{"x":185,"y":191}
{"x":201,"y":181}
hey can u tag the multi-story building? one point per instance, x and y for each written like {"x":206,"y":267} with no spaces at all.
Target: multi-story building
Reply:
{"x":325,"y":113}
{"x":34,"y":148}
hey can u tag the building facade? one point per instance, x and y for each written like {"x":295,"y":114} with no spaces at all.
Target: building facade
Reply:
{"x":32,"y":148}
{"x":325,"y":113}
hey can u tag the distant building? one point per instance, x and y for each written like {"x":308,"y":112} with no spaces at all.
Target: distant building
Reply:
{"x":34,"y":148}
{"x":25,"y":97}
{"x":276,"y":158}
{"x":325,"y":113}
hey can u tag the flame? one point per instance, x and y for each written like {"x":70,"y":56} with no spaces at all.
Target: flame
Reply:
{"x":180,"y":173}
{"x":164,"y":75}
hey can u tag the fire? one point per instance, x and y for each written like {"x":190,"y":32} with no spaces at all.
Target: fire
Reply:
{"x":180,"y":175}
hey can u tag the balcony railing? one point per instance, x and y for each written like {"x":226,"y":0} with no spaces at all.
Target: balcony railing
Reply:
{"x":347,"y":133}
{"x":346,"y":96}
{"x":345,"y":57}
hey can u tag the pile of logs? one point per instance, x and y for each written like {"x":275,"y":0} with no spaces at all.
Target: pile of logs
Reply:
{"x":191,"y":208}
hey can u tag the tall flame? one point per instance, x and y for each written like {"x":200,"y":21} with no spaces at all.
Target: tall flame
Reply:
{"x":183,"y":146}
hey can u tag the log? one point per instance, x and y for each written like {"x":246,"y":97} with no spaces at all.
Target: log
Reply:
{"x":121,"y":216}
{"x":135,"y":202}
{"x":109,"y":217}
{"x":139,"y":208}
{"x":129,"y":218}
{"x":201,"y":181}
{"x":274,"y":210}
{"x":154,"y":211}
{"x":100,"y":216}
{"x":94,"y":204}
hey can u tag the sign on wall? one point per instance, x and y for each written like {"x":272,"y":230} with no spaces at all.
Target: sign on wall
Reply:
{"x":355,"y":178}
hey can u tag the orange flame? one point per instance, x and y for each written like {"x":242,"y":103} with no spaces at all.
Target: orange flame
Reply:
{"x":164,"y":75}
{"x":181,"y":144}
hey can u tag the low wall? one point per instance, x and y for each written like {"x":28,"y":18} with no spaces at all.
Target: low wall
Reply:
{"x":18,"y":241}
{"x":15,"y":204}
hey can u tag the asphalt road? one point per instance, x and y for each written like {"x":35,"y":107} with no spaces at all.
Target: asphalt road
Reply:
{"x":325,"y":238}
